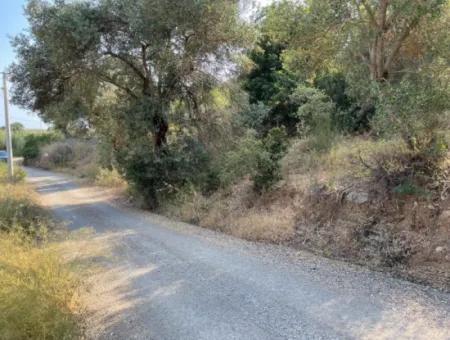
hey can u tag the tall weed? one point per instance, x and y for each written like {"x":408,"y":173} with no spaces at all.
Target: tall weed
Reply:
{"x":38,"y":293}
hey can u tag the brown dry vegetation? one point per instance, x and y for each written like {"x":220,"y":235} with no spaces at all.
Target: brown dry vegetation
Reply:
{"x":242,"y":213}
{"x":337,"y":204}
{"x":80,"y":158}
{"x":77,"y":157}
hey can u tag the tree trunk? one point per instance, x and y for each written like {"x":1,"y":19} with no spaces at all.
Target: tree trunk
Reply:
{"x":161,"y":127}
{"x":377,"y":53}
{"x":160,"y":122}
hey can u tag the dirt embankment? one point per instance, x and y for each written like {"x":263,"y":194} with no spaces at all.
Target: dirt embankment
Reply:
{"x":406,"y":235}
{"x":369,"y":202}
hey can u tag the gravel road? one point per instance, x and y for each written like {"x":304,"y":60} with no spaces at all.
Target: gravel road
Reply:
{"x":166,"y":280}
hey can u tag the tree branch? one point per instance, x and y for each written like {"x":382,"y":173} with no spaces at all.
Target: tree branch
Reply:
{"x":382,"y":14}
{"x":126,"y":61}
{"x":147,"y":71}
{"x":144,"y":58}
{"x":369,"y":11}
{"x":398,"y":43}
{"x":111,"y":81}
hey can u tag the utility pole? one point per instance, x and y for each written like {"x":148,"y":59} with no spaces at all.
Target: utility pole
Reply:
{"x":8,"y":129}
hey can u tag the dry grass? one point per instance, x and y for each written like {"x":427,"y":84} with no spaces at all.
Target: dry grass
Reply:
{"x":38,"y":292}
{"x":402,"y":227}
{"x":272,"y":226}
{"x":342,"y":164}
{"x":110,"y":179}
{"x":19,"y":208}
{"x":76,"y":157}
{"x":273,"y":216}
{"x":310,"y":208}
{"x":240,"y":213}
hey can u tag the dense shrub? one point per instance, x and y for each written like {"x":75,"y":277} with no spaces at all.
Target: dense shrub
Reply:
{"x":315,"y":115}
{"x":256,"y":158}
{"x":159,"y":175}
{"x":417,"y":110}
{"x":254,"y":117}
{"x":241,"y":160}
{"x":79,"y":157}
{"x":268,"y":166}
{"x":269,"y":83}
{"x":334,"y":85}
{"x":109,"y":178}
{"x":34,"y":143}
{"x":59,"y":154}
{"x":351,"y":115}
{"x":18,"y":141}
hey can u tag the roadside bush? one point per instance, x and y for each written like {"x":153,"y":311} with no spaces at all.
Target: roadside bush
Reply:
{"x":241,"y":161}
{"x":349,"y":115}
{"x":18,"y":209}
{"x":79,"y":157}
{"x":109,"y":178}
{"x":18,"y":141}
{"x":159,"y":175}
{"x":268,"y":166}
{"x":34,"y":143}
{"x":19,"y":174}
{"x":315,"y":115}
{"x":417,"y":109}
{"x":57,"y":155}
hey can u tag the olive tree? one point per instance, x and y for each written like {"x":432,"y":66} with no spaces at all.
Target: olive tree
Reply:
{"x":148,"y":52}
{"x":124,"y":67}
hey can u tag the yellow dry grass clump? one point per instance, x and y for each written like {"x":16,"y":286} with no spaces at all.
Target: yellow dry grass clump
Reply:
{"x":277,"y":226}
{"x":38,"y":291}
{"x":110,"y":179}
{"x":240,"y":213}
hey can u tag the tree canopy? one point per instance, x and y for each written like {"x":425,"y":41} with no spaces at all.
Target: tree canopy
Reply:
{"x":187,"y":94}
{"x":145,"y":51}
{"x":384,"y":36}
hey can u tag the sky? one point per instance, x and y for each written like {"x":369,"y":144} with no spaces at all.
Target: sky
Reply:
{"x":12,"y":22}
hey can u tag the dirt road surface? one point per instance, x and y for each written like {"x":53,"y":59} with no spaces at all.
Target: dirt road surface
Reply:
{"x":159,"y":279}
